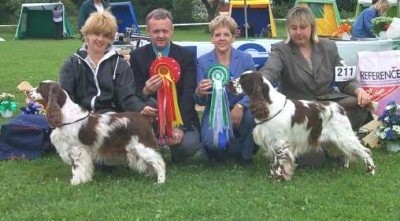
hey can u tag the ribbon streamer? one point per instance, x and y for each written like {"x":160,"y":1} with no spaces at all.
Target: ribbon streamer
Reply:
{"x":219,"y":119}
{"x":169,"y":115}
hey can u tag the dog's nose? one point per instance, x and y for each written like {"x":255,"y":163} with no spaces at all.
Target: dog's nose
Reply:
{"x":234,"y":86}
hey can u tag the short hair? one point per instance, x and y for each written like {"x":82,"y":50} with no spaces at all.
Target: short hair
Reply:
{"x":223,"y":21}
{"x":380,"y":3}
{"x":159,"y":14}
{"x":301,"y":13}
{"x":101,"y":23}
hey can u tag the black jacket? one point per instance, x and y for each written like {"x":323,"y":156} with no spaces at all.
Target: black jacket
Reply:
{"x":109,"y":88}
{"x":141,"y":59}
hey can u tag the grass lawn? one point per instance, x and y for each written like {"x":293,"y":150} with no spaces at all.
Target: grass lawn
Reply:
{"x":194,"y":190}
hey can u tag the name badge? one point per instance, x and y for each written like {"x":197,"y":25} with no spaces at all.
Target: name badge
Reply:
{"x":345,"y":73}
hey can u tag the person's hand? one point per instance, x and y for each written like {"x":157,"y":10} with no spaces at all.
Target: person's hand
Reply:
{"x":150,"y":112}
{"x":204,"y":87}
{"x":177,"y":136}
{"x":363,"y":98}
{"x":152,"y":84}
{"x":237,"y":115}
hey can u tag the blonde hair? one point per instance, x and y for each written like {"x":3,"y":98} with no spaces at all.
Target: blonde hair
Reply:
{"x":380,"y":4}
{"x":302,"y":14}
{"x":100,"y":23}
{"x":223,"y":21}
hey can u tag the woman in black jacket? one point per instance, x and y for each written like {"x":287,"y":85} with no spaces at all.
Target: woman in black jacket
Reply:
{"x":96,"y":77}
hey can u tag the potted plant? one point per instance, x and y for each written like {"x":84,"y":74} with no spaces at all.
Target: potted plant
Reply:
{"x":389,"y":128}
{"x":380,"y":25}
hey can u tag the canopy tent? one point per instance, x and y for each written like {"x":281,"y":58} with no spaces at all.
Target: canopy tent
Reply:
{"x":392,"y":11}
{"x":258,"y":15}
{"x":126,"y":16}
{"x":36,"y":21}
{"x":326,"y":15}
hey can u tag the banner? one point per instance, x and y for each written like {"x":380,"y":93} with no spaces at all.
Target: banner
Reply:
{"x":379,"y":75}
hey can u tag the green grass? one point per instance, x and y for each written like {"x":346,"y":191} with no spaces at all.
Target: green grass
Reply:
{"x":40,"y":190}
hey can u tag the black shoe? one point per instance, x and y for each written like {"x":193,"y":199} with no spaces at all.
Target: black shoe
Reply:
{"x":245,"y":162}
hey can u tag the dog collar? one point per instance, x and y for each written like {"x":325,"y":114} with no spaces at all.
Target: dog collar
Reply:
{"x":268,"y":119}
{"x":80,"y":119}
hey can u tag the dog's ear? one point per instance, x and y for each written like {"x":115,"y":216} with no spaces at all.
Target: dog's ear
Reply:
{"x":265,"y":91}
{"x":53,"y":110}
{"x":246,"y":83}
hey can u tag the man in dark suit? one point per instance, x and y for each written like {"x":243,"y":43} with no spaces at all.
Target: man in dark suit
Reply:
{"x":186,"y":137}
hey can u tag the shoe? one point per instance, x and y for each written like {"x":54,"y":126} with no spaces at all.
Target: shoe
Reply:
{"x":245,"y":162}
{"x":165,"y":152}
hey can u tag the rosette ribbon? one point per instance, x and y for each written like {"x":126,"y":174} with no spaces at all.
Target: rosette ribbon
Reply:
{"x":219,"y":119}
{"x":169,"y":115}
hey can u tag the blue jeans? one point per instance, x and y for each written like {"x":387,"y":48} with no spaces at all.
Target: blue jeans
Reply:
{"x":241,"y":145}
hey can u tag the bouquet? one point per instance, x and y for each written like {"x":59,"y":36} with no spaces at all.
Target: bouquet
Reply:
{"x":380,"y":24}
{"x":389,"y":128}
{"x":7,"y":105}
{"x":343,"y":30}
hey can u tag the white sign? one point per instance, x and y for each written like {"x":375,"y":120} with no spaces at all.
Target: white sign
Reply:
{"x":345,"y":73}
{"x":260,"y":48}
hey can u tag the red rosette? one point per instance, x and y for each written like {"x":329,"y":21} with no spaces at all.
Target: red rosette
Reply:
{"x":168,"y":110}
{"x":165,"y":66}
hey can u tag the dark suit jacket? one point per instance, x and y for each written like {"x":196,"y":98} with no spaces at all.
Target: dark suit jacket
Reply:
{"x":297,"y":80}
{"x":141,"y":59}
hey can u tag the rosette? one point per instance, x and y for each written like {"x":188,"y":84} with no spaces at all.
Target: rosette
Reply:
{"x":169,"y":115}
{"x":219,"y":118}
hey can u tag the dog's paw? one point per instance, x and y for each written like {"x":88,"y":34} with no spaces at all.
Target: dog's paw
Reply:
{"x":78,"y":180}
{"x":371,"y":169}
{"x":161,"y":179}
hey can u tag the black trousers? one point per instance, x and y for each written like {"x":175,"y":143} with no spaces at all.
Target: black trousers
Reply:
{"x":58,"y":30}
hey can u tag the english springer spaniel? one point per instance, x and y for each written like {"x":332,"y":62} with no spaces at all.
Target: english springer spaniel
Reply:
{"x":286,"y":128}
{"x":83,"y":138}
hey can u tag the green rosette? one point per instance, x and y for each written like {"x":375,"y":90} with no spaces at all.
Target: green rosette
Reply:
{"x":219,"y":119}
{"x":219,"y":73}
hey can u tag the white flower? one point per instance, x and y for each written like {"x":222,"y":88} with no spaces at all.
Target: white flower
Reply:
{"x":396,"y":128}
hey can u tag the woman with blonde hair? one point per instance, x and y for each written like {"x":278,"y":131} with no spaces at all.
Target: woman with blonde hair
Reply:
{"x":233,"y":63}
{"x":303,"y":67}
{"x":362,"y":25}
{"x":96,"y":77}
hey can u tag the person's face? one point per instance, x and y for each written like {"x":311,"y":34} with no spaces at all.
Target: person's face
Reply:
{"x":222,"y":39}
{"x":300,"y":34}
{"x":160,"y":32}
{"x":97,"y":43}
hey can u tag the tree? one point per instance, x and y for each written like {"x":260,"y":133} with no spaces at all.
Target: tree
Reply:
{"x":212,"y":7}
{"x":182,"y":11}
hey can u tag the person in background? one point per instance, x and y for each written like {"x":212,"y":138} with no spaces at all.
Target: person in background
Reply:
{"x":96,"y":77}
{"x":363,"y":23}
{"x":88,"y":7}
{"x":304,"y":67}
{"x":186,"y":138}
{"x":58,"y":21}
{"x":241,"y":146}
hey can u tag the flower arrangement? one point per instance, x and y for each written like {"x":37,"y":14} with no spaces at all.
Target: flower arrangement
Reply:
{"x":380,"y":24}
{"x":389,"y":128}
{"x":7,"y":105}
{"x":343,"y":29}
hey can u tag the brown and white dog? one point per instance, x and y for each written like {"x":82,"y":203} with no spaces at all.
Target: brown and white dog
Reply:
{"x":83,"y":138}
{"x":286,"y":128}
